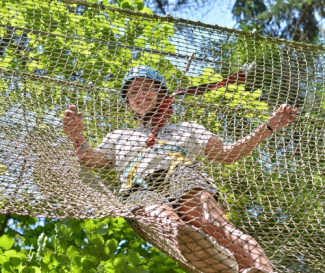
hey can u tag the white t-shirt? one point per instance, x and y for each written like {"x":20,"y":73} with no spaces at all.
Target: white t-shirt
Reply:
{"x":128,"y":147}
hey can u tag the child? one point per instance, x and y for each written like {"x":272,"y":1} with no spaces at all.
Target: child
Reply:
{"x":161,"y":180}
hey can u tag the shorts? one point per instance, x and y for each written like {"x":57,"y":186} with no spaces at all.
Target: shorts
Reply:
{"x":162,"y":191}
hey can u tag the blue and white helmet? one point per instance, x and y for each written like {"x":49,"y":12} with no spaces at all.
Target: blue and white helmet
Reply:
{"x":141,"y":71}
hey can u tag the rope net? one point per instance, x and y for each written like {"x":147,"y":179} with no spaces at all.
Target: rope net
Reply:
{"x":59,"y":53}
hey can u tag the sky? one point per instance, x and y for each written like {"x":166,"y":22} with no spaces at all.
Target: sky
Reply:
{"x":218,"y":13}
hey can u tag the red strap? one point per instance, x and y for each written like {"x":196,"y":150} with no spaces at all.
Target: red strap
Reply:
{"x":165,"y":109}
{"x":151,"y":139}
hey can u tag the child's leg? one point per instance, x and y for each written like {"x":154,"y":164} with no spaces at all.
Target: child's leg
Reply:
{"x":161,"y":215}
{"x":200,"y":209}
{"x":194,"y":245}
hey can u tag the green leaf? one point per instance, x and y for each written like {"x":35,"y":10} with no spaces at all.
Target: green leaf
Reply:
{"x":96,"y":240}
{"x":141,"y":42}
{"x":126,"y":4}
{"x":78,"y":242}
{"x":46,"y":258}
{"x":112,"y":245}
{"x":207,"y":73}
{"x":6,"y":242}
{"x":86,"y":264}
{"x":140,"y":6}
{"x":90,"y":226}
{"x":7,"y":267}
{"x":15,"y":261}
{"x":3,"y":259}
{"x":102,"y":228}
{"x":147,"y":10}
{"x":76,"y":228}
{"x":95,"y":250}
{"x":104,"y":256}
{"x":63,"y":244}
{"x":119,"y":262}
{"x":232,"y":87}
{"x":216,"y":78}
{"x":32,"y":220}
{"x":10,"y":253}
{"x":72,"y":252}
{"x":257,"y":93}
{"x":134,"y":257}
{"x":44,"y":268}
{"x":31,"y":269}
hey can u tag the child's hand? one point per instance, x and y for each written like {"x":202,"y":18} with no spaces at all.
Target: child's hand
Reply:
{"x":282,"y":117}
{"x":72,"y":124}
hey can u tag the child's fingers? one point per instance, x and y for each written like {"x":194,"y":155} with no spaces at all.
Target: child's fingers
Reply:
{"x":293,"y":114}
{"x":72,"y":107}
{"x":66,"y":122}
{"x":79,"y":116}
{"x":282,"y":108}
{"x":288,"y":108}
{"x":69,"y":113}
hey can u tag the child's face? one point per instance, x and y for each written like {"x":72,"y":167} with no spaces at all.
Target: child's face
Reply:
{"x":142,"y":95}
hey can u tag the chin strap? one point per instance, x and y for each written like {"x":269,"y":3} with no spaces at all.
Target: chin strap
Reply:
{"x":165,"y":109}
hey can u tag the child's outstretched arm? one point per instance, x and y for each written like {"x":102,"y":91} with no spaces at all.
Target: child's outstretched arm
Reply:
{"x":74,"y":128}
{"x":216,"y":150}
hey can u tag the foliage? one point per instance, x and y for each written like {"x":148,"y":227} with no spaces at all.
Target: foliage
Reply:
{"x":291,"y":20}
{"x":164,"y":7}
{"x":33,"y":245}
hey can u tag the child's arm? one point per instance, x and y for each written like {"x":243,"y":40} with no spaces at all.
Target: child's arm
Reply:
{"x":74,"y":128}
{"x":216,"y":150}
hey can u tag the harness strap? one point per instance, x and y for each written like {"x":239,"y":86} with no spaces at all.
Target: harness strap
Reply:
{"x":164,"y":110}
{"x":178,"y":158}
{"x":134,"y":167}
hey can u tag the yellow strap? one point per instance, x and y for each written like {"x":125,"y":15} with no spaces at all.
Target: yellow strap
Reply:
{"x":178,"y":158}
{"x":133,"y":170}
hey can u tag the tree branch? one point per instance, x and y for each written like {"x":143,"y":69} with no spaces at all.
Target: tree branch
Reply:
{"x":296,"y":35}
{"x":22,"y":235}
{"x":161,"y":6}
{"x":4,"y":224}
